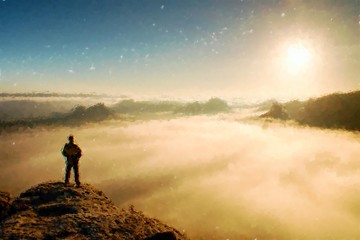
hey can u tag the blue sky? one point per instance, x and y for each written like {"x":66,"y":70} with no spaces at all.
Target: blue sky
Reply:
{"x":213,"y":47}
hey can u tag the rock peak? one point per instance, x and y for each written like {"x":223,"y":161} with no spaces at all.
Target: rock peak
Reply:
{"x":52,"y":210}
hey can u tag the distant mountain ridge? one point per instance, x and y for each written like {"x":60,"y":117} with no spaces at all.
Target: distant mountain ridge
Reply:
{"x":28,"y":114}
{"x":336,"y":111}
{"x":53,"y":211}
{"x":76,"y":116}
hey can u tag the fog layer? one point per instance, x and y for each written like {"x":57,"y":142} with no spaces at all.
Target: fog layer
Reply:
{"x":213,"y":177}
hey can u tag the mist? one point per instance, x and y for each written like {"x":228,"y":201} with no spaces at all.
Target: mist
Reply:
{"x":211,"y":176}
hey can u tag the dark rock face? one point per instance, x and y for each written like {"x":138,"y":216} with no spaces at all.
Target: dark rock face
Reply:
{"x":52,"y":211}
{"x":162,"y":236}
{"x":5,"y":205}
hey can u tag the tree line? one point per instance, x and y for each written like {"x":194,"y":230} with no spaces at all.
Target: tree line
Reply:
{"x":338,"y":110}
{"x":213,"y":105}
{"x":77,"y":116}
{"x":99,"y":112}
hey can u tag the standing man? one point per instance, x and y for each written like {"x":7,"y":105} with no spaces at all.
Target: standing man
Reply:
{"x":72,"y":152}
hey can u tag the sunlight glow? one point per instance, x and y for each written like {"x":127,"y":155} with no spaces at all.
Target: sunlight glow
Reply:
{"x":298,"y":57}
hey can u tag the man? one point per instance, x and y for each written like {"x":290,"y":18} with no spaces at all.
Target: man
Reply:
{"x":72,"y":152}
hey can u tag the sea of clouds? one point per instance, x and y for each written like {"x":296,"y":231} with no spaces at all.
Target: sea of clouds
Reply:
{"x":211,"y":176}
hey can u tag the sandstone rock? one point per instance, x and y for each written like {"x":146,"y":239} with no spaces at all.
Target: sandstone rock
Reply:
{"x":53,"y":211}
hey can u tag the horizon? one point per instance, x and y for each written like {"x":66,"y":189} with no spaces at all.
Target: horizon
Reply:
{"x":164,"y":97}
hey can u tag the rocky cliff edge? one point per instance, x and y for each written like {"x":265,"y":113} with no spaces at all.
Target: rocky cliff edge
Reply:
{"x":53,"y":211}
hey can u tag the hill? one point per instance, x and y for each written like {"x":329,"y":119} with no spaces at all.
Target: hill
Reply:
{"x":212,"y":106}
{"x":52,"y":211}
{"x":77,"y":116}
{"x":336,"y":111}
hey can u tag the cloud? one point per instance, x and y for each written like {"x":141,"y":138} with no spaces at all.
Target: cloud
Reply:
{"x":214,"y":177}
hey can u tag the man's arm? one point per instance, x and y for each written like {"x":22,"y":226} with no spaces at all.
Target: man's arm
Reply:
{"x":79,"y":154}
{"x":64,"y":150}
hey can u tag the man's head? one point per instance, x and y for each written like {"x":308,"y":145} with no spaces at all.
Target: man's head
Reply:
{"x":71,"y":138}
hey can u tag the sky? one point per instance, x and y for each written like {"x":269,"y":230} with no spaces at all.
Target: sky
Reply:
{"x":247,"y":49}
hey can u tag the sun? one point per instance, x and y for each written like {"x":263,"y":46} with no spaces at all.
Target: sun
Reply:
{"x":298,"y":57}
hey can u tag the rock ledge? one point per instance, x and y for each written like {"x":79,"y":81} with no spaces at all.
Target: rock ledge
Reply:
{"x":53,"y":211}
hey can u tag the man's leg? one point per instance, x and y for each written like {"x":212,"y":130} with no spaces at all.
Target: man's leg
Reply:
{"x":76,"y":173}
{"x":68,"y":171}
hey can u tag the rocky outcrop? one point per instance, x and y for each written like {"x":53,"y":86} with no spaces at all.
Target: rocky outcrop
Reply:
{"x":5,"y":205}
{"x":53,"y":211}
{"x":276,"y":111}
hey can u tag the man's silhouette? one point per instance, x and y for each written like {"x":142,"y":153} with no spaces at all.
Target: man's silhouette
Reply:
{"x":72,"y":152}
